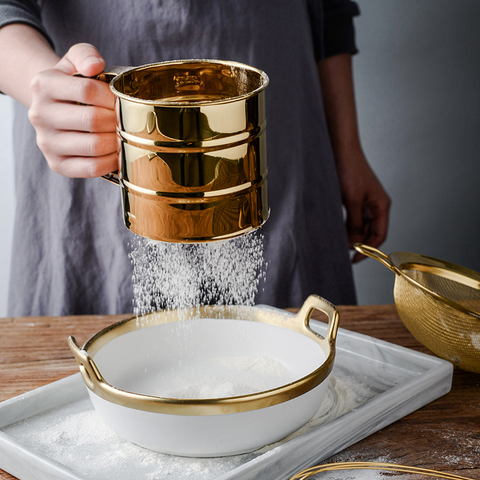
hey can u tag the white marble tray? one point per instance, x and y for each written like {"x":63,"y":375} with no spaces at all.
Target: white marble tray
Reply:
{"x":54,"y":433}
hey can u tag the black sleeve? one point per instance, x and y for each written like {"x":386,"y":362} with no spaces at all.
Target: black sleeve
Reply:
{"x":22,"y":11}
{"x":332,"y":26}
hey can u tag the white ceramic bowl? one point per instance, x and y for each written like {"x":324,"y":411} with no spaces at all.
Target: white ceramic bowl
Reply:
{"x":213,"y":381}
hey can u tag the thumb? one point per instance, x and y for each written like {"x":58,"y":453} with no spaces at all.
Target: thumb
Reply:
{"x":82,"y":58}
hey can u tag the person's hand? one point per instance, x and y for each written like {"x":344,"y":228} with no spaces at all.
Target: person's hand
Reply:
{"x":366,"y":203}
{"x":74,"y":117}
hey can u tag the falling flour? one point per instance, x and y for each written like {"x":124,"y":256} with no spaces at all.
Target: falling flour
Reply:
{"x":176,"y":275}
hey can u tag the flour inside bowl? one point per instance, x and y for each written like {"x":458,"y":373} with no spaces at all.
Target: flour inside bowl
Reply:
{"x":221,"y":377}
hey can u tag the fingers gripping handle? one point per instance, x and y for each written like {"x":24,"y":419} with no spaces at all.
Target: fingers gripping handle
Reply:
{"x":107,"y":76}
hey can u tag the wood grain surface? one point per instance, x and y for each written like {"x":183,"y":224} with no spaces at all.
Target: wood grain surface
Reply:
{"x":444,"y":435}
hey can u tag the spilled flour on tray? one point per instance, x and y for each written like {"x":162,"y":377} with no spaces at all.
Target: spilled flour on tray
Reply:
{"x":176,"y":275}
{"x":78,"y":440}
{"x":344,"y":394}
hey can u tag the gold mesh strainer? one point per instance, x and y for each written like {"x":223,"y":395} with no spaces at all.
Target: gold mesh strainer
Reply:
{"x":438,"y":302}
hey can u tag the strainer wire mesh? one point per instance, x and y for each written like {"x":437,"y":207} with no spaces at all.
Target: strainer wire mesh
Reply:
{"x":467,"y":297}
{"x":442,"y":315}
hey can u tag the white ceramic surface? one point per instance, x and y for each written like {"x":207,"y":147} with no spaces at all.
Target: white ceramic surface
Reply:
{"x":215,"y":354}
{"x":210,"y":435}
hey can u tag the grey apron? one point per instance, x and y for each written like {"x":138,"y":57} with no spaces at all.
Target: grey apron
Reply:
{"x":70,"y":249}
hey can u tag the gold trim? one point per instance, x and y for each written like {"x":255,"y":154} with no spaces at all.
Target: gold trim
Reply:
{"x":391,"y":467}
{"x":227,"y":236}
{"x":299,"y":323}
{"x":122,"y":71}
{"x":196,"y":197}
{"x":204,"y":146}
{"x":445,"y":272}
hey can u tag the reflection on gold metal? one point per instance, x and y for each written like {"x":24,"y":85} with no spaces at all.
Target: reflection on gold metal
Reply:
{"x":192,"y":149}
{"x":439,"y":303}
{"x":388,"y":467}
{"x":298,"y":323}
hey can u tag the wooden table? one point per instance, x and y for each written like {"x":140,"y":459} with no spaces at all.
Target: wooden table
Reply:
{"x":444,"y":435}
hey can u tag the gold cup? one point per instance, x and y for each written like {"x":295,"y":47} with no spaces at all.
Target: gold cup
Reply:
{"x":192,"y":149}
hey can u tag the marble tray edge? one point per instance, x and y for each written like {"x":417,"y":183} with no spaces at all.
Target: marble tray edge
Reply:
{"x":26,"y":464}
{"x":30,"y":403}
{"x":436,"y":383}
{"x":426,"y":360}
{"x":20,"y":461}
{"x":321,"y":327}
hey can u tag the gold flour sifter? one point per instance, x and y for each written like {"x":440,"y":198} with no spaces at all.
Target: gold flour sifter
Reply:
{"x":192,"y":163}
{"x":439,"y":303}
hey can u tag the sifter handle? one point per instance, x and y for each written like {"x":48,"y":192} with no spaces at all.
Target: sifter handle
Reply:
{"x":112,"y":178}
{"x":108,"y":74}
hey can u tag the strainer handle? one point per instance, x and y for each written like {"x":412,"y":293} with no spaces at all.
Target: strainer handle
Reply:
{"x":376,"y":254}
{"x":315,"y":302}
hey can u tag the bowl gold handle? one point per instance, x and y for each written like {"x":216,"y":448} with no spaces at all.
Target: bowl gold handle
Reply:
{"x":315,"y":302}
{"x":90,"y":373}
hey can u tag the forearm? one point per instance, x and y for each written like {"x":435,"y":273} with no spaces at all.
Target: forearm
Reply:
{"x":25,"y":52}
{"x":336,"y":78}
{"x":366,"y":203}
